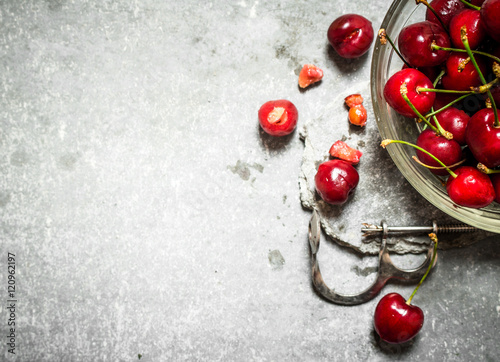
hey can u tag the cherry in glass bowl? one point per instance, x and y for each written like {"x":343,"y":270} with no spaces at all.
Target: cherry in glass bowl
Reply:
{"x":391,"y":125}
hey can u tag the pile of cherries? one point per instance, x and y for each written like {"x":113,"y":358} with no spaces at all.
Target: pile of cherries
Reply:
{"x":450,"y":81}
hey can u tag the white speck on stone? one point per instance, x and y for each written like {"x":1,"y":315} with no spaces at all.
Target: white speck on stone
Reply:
{"x":276,"y":259}
{"x":253,"y":12}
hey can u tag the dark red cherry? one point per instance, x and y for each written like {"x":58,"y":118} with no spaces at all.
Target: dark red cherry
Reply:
{"x":415,"y":40}
{"x":483,"y":138}
{"x":335,"y":180}
{"x":395,"y":321}
{"x":447,"y":151}
{"x":461,"y":74}
{"x":413,"y":79}
{"x":455,"y":121}
{"x":495,"y":92}
{"x":351,"y":35}
{"x":490,"y":16}
{"x":471,"y":188}
{"x":471,"y":19}
{"x":446,"y":9}
{"x":495,"y":180}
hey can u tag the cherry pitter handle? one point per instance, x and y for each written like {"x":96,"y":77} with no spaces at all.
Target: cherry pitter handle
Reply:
{"x":386,"y":269}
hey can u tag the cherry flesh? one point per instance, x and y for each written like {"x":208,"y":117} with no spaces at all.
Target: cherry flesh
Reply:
{"x":471,"y":188}
{"x":415,"y":42}
{"x":278,"y":117}
{"x":309,"y":74}
{"x":342,"y":150}
{"x":447,"y":151}
{"x":446,"y":9}
{"x":335,"y":180}
{"x":351,"y":35}
{"x":476,"y":33}
{"x":490,"y":16}
{"x":357,"y":111}
{"x":461,"y":74}
{"x":395,"y":321}
{"x":483,"y":138}
{"x":454,"y":121}
{"x":413,"y":79}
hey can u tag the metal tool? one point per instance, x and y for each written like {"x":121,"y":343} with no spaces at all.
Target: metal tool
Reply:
{"x":386,"y":269}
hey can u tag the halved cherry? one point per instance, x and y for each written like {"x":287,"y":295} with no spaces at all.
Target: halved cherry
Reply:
{"x":278,"y":117}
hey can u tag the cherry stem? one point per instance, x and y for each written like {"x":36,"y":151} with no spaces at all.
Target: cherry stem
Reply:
{"x":450,"y":91}
{"x":433,"y":113}
{"x":389,"y":141}
{"x":438,"y":128}
{"x":481,"y":167}
{"x":433,"y":11}
{"x":434,"y":46}
{"x":470,"y":5}
{"x":415,"y":158}
{"x":465,"y":41}
{"x":434,"y":239}
{"x":404,"y":91}
{"x":384,"y":37}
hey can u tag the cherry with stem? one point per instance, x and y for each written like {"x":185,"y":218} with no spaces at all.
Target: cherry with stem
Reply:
{"x":465,"y":41}
{"x":396,"y":320}
{"x":466,"y":186}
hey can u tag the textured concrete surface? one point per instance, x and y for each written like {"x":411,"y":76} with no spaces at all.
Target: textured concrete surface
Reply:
{"x":147,"y":216}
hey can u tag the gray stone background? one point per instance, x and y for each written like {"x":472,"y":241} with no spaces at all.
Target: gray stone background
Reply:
{"x":152,"y":220}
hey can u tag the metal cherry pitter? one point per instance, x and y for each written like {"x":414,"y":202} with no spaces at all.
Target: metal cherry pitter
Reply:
{"x":386,"y":269}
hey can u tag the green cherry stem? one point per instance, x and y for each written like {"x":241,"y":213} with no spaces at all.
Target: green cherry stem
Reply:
{"x":465,"y":41}
{"x":434,"y":46}
{"x":434,"y":240}
{"x":472,"y":6}
{"x":433,"y":113}
{"x":389,"y":141}
{"x":438,"y":128}
{"x":486,"y":170}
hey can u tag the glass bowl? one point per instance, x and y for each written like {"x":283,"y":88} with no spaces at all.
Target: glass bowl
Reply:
{"x":391,"y":125}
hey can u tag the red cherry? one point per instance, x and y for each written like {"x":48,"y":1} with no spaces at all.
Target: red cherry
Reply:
{"x":490,"y":16}
{"x":413,"y":79}
{"x":471,"y":19}
{"x":279,"y":117}
{"x":495,"y":180}
{"x":350,"y":35}
{"x":447,"y":151}
{"x":483,"y":138}
{"x":446,"y":9}
{"x":395,"y":321}
{"x":415,"y":40}
{"x":335,"y":180}
{"x":455,"y":121}
{"x":471,"y":188}
{"x":495,"y":92}
{"x":461,"y":74}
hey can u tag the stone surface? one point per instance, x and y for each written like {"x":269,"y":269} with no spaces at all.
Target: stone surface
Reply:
{"x":142,"y":202}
